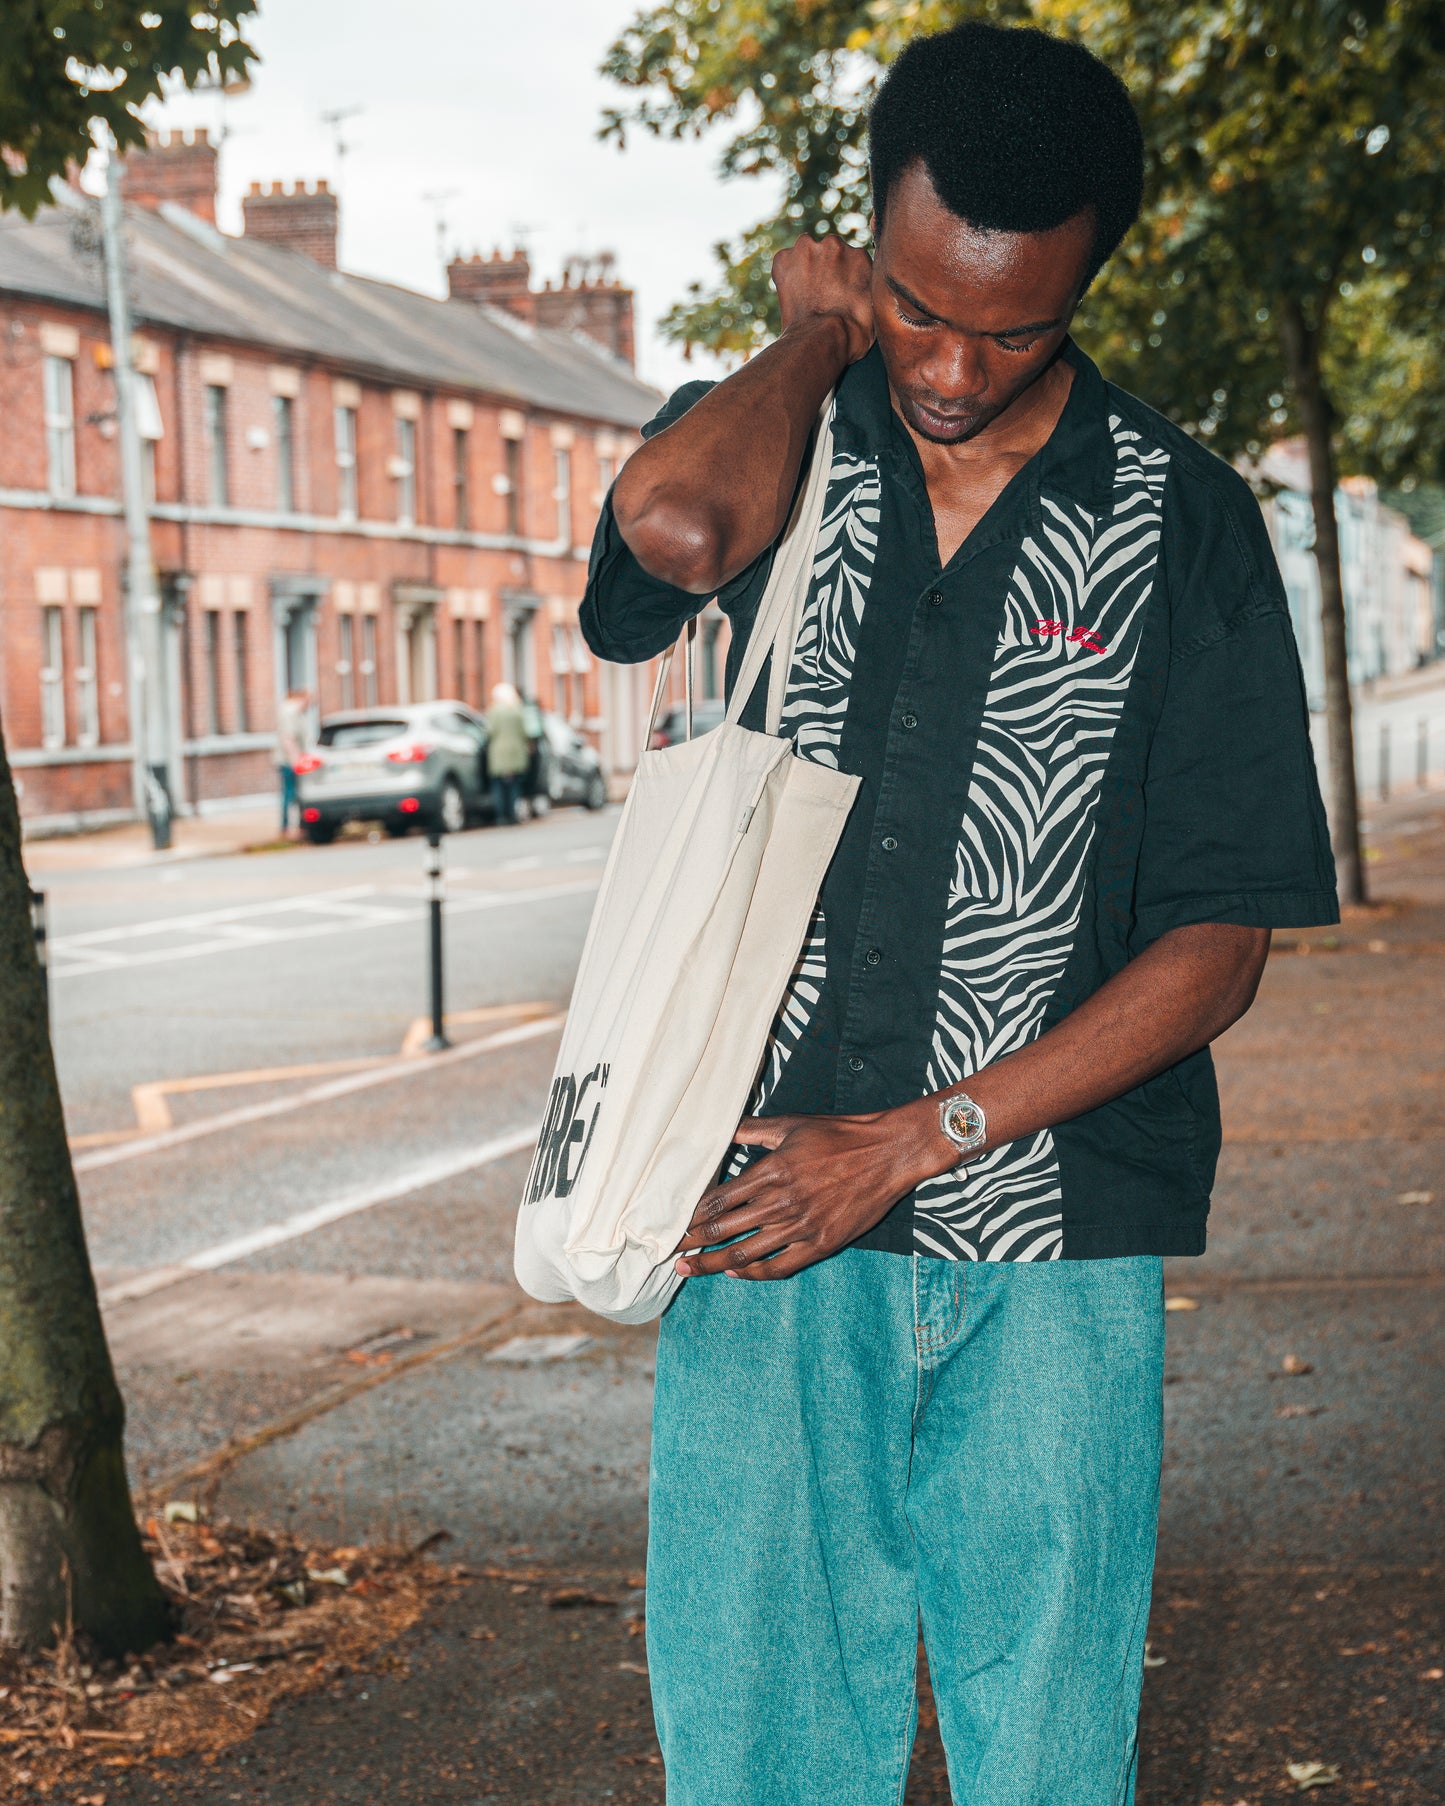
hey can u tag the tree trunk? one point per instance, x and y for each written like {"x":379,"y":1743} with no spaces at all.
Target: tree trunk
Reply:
{"x":1301,"y":345}
{"x":69,"y":1548}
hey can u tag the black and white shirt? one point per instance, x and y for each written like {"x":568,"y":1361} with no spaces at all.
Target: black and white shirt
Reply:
{"x":1087,"y":729}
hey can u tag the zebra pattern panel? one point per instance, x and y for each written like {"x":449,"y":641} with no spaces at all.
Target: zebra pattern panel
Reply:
{"x":1064,"y":659}
{"x":815,"y":707}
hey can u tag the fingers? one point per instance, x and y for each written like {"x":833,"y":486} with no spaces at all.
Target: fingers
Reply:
{"x":737,"y":1256}
{"x":763,"y":1131}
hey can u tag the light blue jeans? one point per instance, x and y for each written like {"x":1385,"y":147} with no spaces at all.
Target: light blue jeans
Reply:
{"x":883,"y":1437}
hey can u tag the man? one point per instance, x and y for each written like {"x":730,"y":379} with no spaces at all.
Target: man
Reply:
{"x":1046,"y":630}
{"x":508,"y":750}
{"x":293,"y":721}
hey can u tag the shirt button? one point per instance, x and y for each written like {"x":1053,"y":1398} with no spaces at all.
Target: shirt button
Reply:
{"x":890,"y":845}
{"x":935,"y":598}
{"x":874,"y":956}
{"x":855,"y":1064}
{"x":910,"y":721}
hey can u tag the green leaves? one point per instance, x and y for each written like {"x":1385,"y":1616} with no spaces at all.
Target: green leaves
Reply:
{"x":65,"y":63}
{"x":1293,"y":151}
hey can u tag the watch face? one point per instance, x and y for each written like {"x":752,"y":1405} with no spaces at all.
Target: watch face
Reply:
{"x":964,"y":1122}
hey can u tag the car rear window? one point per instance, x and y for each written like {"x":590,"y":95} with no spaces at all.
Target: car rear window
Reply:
{"x":359,"y":733}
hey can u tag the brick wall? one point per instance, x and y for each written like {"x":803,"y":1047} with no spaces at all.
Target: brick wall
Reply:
{"x":68,"y":557}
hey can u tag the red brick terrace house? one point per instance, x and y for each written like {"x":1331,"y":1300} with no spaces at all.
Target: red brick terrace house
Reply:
{"x":357,"y":488}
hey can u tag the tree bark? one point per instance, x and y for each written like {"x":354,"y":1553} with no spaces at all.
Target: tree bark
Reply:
{"x":1301,"y":345}
{"x":70,"y":1552}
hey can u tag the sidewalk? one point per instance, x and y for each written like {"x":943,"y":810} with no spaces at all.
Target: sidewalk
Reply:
{"x":192,"y":837}
{"x":1300,"y":1604}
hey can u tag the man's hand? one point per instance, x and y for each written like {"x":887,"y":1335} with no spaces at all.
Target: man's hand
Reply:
{"x":827,"y":1180}
{"x":823,"y":278}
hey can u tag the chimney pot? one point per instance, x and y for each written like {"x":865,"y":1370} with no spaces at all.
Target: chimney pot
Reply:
{"x":172,"y":166}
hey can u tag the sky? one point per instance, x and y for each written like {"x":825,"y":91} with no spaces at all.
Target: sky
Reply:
{"x":496,"y":100}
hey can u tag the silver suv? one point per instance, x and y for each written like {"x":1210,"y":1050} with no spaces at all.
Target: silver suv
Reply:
{"x":421,"y":763}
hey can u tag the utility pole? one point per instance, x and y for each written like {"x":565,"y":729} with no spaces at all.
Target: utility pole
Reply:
{"x":145,"y":622}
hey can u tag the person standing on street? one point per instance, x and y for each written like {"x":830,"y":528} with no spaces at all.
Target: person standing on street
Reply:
{"x":293,"y":721}
{"x":916,"y":1367}
{"x":509,"y":750}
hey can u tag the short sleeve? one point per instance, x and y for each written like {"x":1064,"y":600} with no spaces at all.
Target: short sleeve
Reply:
{"x":627,"y":615}
{"x":1234,"y":828}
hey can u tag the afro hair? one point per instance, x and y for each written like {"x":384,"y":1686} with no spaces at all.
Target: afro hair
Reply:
{"x":1018,"y":130}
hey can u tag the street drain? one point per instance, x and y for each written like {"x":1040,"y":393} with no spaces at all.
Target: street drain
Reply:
{"x":385,"y":1345}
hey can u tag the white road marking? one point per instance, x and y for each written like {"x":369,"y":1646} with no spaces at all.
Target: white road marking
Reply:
{"x":314,"y":1094}
{"x":266,"y":924}
{"x":526,"y":1350}
{"x":305,"y":1222}
{"x":527,"y":862}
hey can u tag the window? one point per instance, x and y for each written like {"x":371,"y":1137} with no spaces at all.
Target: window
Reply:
{"x":562,"y":490}
{"x":242,"y":659}
{"x":60,"y":426}
{"x":345,"y":429}
{"x":404,"y":469}
{"x":461,"y":499}
{"x":514,"y":485}
{"x":606,"y":471}
{"x":459,"y":658}
{"x":368,"y":661}
{"x":87,"y":689}
{"x":346,"y":664}
{"x":148,"y":421}
{"x":283,"y":420}
{"x":52,"y":675}
{"x":211,"y":649}
{"x":217,"y":458}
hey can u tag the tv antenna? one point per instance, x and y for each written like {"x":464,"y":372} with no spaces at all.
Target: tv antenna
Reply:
{"x":437,"y":198}
{"x":336,"y":117}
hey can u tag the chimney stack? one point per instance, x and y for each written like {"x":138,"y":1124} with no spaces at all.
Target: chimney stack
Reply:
{"x":173,"y":166}
{"x":298,"y":216}
{"x":496,"y":280}
{"x":589,"y":298}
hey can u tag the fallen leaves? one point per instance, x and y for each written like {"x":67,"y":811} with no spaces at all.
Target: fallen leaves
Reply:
{"x":1416,"y":1197}
{"x":1296,"y":1366}
{"x":1306,"y":1775}
{"x":258,"y":1616}
{"x":1178,"y":1301}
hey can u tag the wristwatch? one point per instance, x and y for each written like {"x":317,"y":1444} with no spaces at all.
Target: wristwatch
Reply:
{"x":963,"y":1122}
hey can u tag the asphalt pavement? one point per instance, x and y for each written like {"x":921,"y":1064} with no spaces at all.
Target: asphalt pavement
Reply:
{"x":309,"y":1276}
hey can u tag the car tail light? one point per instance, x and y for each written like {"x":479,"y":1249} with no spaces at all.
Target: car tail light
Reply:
{"x":311,"y":815}
{"x":660,"y":740}
{"x":409,"y":805}
{"x":308,"y":762}
{"x":414,"y":753}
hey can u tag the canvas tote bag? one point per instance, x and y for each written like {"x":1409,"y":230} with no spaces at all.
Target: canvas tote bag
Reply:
{"x":702,"y":912}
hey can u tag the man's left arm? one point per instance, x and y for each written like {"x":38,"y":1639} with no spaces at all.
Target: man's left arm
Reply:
{"x":829,"y":1179}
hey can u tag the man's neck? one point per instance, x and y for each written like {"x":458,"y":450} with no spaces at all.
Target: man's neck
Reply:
{"x":1009,"y":440}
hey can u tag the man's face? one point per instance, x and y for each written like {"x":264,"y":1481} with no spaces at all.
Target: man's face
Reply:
{"x":967,"y":319}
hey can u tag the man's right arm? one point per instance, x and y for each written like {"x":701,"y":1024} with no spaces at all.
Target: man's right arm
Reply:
{"x":702,"y":500}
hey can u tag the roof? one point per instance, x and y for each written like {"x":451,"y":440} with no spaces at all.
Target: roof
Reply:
{"x":189,"y":277}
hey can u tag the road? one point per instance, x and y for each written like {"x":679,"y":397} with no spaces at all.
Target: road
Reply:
{"x":269,"y":1165}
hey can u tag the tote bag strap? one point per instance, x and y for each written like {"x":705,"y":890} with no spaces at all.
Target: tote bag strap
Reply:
{"x":775,"y":628}
{"x":780,"y":610}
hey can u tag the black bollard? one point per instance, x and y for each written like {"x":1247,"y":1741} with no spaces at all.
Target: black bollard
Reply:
{"x":438,"y":1040}
{"x":42,"y":950}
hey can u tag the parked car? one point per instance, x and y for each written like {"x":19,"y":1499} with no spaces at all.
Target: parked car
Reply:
{"x":420,"y":763}
{"x":671,"y":730}
{"x":571,"y":771}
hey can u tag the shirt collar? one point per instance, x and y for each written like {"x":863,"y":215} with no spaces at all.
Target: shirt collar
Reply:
{"x":1077,"y":461}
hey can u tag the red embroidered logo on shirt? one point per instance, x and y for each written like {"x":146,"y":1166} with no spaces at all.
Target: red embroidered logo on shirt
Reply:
{"x":1078,"y":636}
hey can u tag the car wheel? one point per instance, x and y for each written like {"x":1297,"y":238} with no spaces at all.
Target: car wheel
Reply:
{"x":452,"y":808}
{"x":596,"y":797}
{"x":320,"y":833}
